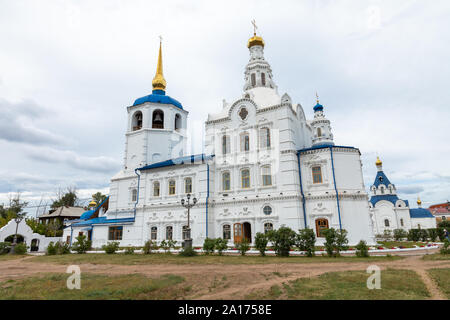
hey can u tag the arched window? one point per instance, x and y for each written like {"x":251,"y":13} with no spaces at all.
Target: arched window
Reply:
{"x":177,"y":122}
{"x":225,"y":144}
{"x":245,"y":178}
{"x":266,"y":176}
{"x":321,"y":226}
{"x":253,"y":79}
{"x":227,"y":232}
{"x":263,"y":79}
{"x":134,"y":195}
{"x":382,"y":189}
{"x":386,"y":222}
{"x":154,"y":233}
{"x":401,"y":222}
{"x":186,"y":234}
{"x":317,"y":174}
{"x":156,"y":188}
{"x":169,"y":232}
{"x":268,"y":226}
{"x":137,"y":121}
{"x":171,"y":187}
{"x":319,"y":132}
{"x":264,"y":138}
{"x":267,"y":210}
{"x":158,"y":119}
{"x":188,"y":185}
{"x":226,"y":181}
{"x":245,"y":141}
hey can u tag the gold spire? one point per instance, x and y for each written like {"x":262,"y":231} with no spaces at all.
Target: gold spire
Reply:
{"x":255,"y":40}
{"x":317,"y":98}
{"x":378,"y":162}
{"x":159,"y":83}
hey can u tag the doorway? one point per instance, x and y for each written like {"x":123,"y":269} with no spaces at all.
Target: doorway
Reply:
{"x":242,"y":231}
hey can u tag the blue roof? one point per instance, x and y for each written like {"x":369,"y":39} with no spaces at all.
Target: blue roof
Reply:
{"x":102,"y":220}
{"x":381,"y":179}
{"x":325,"y":145}
{"x":87,"y":214}
{"x":420,"y":213}
{"x":177,"y":161}
{"x":388,"y":197}
{"x":158,"y":96}
{"x":318,"y":107}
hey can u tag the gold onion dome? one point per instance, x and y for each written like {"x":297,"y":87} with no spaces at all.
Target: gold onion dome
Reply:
{"x":419,"y":202}
{"x":159,"y":83}
{"x":255,"y":41}
{"x":92,"y":203}
{"x":378,"y":162}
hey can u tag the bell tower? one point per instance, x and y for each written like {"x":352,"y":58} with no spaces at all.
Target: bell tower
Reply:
{"x":156,"y":125}
{"x":321,"y":127}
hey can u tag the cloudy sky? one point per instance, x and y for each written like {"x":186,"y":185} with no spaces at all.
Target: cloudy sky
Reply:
{"x":69,"y":69}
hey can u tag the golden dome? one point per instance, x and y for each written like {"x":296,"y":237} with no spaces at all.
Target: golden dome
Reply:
{"x":255,"y":41}
{"x":378,"y":162}
{"x":92,"y":204}
{"x":419,"y":202}
{"x":159,"y":83}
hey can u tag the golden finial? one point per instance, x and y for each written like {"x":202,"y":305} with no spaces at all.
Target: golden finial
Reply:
{"x":419,"y":202}
{"x":317,"y":98}
{"x":159,"y":83}
{"x":378,"y":162}
{"x":255,"y":40}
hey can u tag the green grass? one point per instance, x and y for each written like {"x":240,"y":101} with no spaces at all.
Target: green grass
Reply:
{"x":406,"y":244}
{"x":442,"y":278}
{"x":436,"y":256}
{"x":161,"y":258}
{"x":349,"y":285}
{"x":93,"y":287}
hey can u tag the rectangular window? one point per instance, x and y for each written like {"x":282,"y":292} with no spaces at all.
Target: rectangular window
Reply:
{"x":225,"y":144}
{"x":115,"y":233}
{"x":264,"y":138}
{"x":263,"y":79}
{"x":266,"y":176}
{"x":186,"y":233}
{"x":317,"y":174}
{"x":245,"y":177}
{"x":226,"y":181}
{"x":154,"y":233}
{"x":227,"y":232}
{"x":156,"y":189}
{"x":188,"y":185}
{"x":245,"y":142}
{"x":253,"y":79}
{"x":169,"y":233}
{"x":171,"y":187}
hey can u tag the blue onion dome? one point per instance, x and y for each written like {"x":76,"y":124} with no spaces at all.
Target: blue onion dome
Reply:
{"x":318,"y":107}
{"x":158,"y":96}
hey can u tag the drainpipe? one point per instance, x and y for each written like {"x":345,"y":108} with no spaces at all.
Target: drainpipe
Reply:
{"x":207,"y":198}
{"x":301,"y":189}
{"x":137,"y":196}
{"x":335,"y":188}
{"x":71,"y":234}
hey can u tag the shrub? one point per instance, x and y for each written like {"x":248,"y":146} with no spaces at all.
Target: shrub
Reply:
{"x":111,"y":247}
{"x":57,"y":248}
{"x":261,"y":241}
{"x":306,"y":240}
{"x":243,"y":246}
{"x":82,"y":244}
{"x":51,"y":249}
{"x":400,"y":234}
{"x":4,"y":247}
{"x":335,"y":241}
{"x":414,"y":235}
{"x":221,"y":245}
{"x":444,"y":224}
{"x":171,"y":244}
{"x":446,"y":247}
{"x":21,"y":248}
{"x":423,"y":234}
{"x":433,"y":234}
{"x":387,"y":234}
{"x":282,"y":239}
{"x":188,"y":252}
{"x":129,"y":250}
{"x":440,"y":234}
{"x":362,"y":250}
{"x":149,"y":246}
{"x":164,"y":245}
{"x":209,"y":245}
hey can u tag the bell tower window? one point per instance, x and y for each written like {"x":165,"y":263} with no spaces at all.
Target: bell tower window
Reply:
{"x":319,"y":132}
{"x":158,"y":119}
{"x":177,"y":122}
{"x":263,"y":79}
{"x":253,"y":79}
{"x":137,"y":121}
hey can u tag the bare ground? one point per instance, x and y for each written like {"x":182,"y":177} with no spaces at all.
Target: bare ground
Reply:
{"x":222,"y":281}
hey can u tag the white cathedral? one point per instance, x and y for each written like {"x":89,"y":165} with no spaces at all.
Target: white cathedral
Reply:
{"x":265,"y":166}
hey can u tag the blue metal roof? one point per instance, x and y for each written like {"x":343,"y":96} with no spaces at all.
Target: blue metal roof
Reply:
{"x":381,"y":179}
{"x":87,"y":214}
{"x":420,"y":213}
{"x":327,"y":145}
{"x":177,"y":161}
{"x":158,"y":96}
{"x":103,"y":220}
{"x":318,"y":107}
{"x":388,"y":197}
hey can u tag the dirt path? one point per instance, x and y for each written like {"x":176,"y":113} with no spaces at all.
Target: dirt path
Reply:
{"x":230,"y":281}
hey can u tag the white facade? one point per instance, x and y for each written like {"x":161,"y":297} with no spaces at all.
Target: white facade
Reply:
{"x":388,"y":212}
{"x":266,"y":166}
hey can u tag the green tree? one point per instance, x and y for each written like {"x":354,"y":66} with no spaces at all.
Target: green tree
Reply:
{"x":261,"y":241}
{"x":208,"y":246}
{"x":282,"y":239}
{"x":98,"y":197}
{"x":362,"y":250}
{"x":67,"y":198}
{"x":306,"y":240}
{"x":221,"y":245}
{"x":82,"y":244}
{"x":243,"y":246}
{"x":335,"y":241}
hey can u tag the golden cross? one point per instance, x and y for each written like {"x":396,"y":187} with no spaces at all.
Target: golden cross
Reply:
{"x":317,"y":97}
{"x":254,"y":26}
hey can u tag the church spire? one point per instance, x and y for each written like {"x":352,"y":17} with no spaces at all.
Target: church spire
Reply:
{"x":159,"y":83}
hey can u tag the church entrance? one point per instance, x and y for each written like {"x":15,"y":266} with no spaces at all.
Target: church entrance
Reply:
{"x":242,"y":231}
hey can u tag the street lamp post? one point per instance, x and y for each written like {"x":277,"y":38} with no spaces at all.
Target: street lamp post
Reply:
{"x":188,"y":205}
{"x":18,"y":219}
